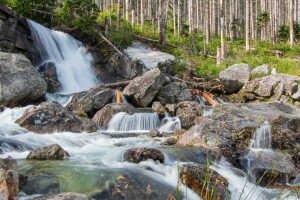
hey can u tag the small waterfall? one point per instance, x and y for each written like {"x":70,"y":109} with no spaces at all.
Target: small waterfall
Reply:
{"x":169,"y":124}
{"x":73,"y":63}
{"x":263,"y":137}
{"x":137,"y":122}
{"x":140,"y":122}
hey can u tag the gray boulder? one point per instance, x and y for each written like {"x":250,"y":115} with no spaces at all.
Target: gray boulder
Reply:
{"x":51,"y":152}
{"x":187,"y":111}
{"x":63,"y":196}
{"x":142,"y":90}
{"x":141,"y":58}
{"x":20,"y":82}
{"x":48,"y":72}
{"x":158,"y":108}
{"x":260,"y":71}
{"x":235,"y":77}
{"x":174,"y":92}
{"x":50,"y":117}
{"x":92,"y":100}
{"x":141,"y":154}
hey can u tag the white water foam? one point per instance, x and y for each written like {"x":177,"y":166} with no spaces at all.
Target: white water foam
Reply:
{"x":73,"y":63}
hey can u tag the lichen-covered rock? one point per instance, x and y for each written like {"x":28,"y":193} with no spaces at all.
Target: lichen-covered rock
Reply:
{"x":20,"y":82}
{"x":187,"y":111}
{"x":51,"y":152}
{"x":50,"y":117}
{"x":141,"y":58}
{"x":92,"y":100}
{"x":195,"y":177}
{"x":141,"y":154}
{"x":260,"y":71}
{"x":9,"y":179}
{"x":271,"y":87}
{"x":174,"y":92}
{"x":103,"y":116}
{"x":230,"y":128}
{"x":235,"y":77}
{"x":171,"y":108}
{"x":63,"y":196}
{"x":158,"y":108}
{"x":142,"y":90}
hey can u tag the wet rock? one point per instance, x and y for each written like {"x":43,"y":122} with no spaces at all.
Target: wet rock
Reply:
{"x":154,"y":133}
{"x":138,"y":186}
{"x":50,"y":117}
{"x":9,"y":178}
{"x":157,"y":107}
{"x":260,"y":71}
{"x":171,"y":108}
{"x":141,"y":58}
{"x":296,"y":95}
{"x":187,"y":111}
{"x":170,"y":141}
{"x":204,"y":181}
{"x":63,"y":196}
{"x":51,"y":152}
{"x":231,"y":127}
{"x":103,"y":116}
{"x":48,"y":72}
{"x":142,"y":90}
{"x":92,"y":100}
{"x":179,"y":132}
{"x":20,"y":81}
{"x":15,"y":34}
{"x":174,"y":92}
{"x":141,"y":154}
{"x":271,"y":168}
{"x":235,"y":77}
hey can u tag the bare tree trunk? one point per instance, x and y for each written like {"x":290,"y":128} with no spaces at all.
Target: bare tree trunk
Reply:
{"x":222,"y":30}
{"x":248,"y":21}
{"x":142,"y":15}
{"x":179,"y":18}
{"x":292,"y":34}
{"x":207,"y":26}
{"x":119,"y":15}
{"x":174,"y":16}
{"x":127,"y":10}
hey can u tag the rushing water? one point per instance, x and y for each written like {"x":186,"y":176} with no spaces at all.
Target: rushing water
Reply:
{"x":73,"y":63}
{"x":263,"y":137}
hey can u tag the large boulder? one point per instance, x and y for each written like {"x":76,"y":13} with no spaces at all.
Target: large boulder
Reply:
{"x":174,"y":92}
{"x":273,"y":87}
{"x":9,"y":179}
{"x":63,"y":196}
{"x":158,"y":108}
{"x":235,"y":77}
{"x":260,"y":71}
{"x":140,"y":58}
{"x":187,"y":111}
{"x":141,"y":154}
{"x":103,"y":116}
{"x":204,"y":181}
{"x":15,"y":34}
{"x":20,"y":82}
{"x":51,"y":152}
{"x":51,"y":117}
{"x":230,"y":128}
{"x":142,"y":90}
{"x":92,"y":100}
{"x":49,"y":73}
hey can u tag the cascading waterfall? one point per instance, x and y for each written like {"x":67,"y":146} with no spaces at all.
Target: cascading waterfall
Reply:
{"x":73,"y":63}
{"x":260,"y":144}
{"x":263,"y":137}
{"x":140,"y":122}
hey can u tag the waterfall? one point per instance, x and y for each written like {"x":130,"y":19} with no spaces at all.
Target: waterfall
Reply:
{"x":136,"y":122}
{"x":263,"y":137}
{"x":140,"y":122}
{"x":73,"y":63}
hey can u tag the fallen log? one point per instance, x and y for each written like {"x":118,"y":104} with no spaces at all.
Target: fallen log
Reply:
{"x":207,"y":96}
{"x":110,"y":44}
{"x":121,"y":84}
